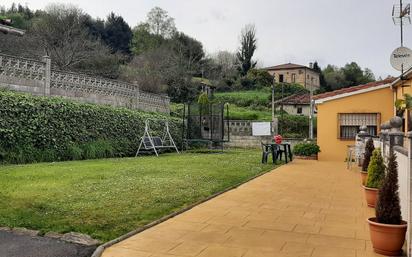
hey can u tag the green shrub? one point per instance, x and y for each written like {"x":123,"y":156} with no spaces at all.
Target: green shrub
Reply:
{"x":35,"y":129}
{"x":306,"y":149}
{"x":376,"y":170}
{"x":89,"y":151}
{"x":103,"y":149}
{"x":73,"y":152}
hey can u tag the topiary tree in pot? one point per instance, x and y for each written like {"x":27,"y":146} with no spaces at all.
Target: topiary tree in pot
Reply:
{"x":369,"y":147}
{"x":387,"y":228}
{"x":376,"y":174}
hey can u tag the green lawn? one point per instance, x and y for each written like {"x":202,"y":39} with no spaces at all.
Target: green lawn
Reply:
{"x":245,"y":113}
{"x":107,"y":198}
{"x":245,"y":98}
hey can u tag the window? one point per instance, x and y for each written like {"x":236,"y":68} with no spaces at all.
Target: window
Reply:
{"x":299,"y":111}
{"x":349,"y":124}
{"x":293,"y":77}
{"x":280,"y":78}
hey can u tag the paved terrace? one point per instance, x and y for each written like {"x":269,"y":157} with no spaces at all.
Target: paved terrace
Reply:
{"x":305,"y":208}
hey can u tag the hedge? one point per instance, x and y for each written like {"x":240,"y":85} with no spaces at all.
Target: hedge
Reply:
{"x":295,"y":126}
{"x":306,"y":149}
{"x":35,"y":129}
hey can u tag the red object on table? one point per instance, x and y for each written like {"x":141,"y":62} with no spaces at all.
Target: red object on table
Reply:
{"x":278,"y":139}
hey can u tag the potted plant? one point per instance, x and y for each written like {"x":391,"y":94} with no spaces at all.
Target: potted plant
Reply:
{"x":387,"y":229}
{"x":369,"y":147}
{"x":306,"y":151}
{"x":376,"y":174}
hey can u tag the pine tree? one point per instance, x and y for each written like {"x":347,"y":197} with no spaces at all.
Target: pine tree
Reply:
{"x":368,"y":153}
{"x":118,"y":34}
{"x":388,"y":209}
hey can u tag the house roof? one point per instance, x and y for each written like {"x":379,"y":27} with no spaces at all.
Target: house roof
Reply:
{"x":343,"y":92}
{"x":7,"y":29}
{"x":285,"y":66}
{"x":302,"y":98}
{"x":400,"y":80}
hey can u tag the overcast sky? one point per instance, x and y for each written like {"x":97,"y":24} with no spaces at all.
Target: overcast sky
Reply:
{"x":297,"y":31}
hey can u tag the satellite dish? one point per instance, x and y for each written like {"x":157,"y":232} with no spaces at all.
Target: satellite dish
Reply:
{"x":401,"y":58}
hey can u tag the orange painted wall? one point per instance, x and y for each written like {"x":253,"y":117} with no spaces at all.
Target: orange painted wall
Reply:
{"x":334,"y":149}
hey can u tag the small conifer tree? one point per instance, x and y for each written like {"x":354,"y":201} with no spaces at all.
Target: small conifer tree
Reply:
{"x":376,"y":170}
{"x":388,"y":209}
{"x":368,"y":153}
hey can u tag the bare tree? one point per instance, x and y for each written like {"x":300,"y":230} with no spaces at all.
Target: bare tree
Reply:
{"x":63,"y":36}
{"x":161,"y":23}
{"x":149,"y":69}
{"x":227,"y":61}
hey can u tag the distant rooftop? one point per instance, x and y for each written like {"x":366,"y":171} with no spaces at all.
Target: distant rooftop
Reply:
{"x":286,"y":66}
{"x":302,"y":98}
{"x":10,"y":30}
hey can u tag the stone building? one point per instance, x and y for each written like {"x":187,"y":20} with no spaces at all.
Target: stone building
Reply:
{"x":295,"y":73}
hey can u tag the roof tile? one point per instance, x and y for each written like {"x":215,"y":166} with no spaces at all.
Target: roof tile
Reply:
{"x":295,"y":99}
{"x":353,"y":89}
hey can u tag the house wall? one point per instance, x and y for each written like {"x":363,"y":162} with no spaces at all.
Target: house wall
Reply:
{"x":293,"y":109}
{"x":334,"y":149}
{"x":312,"y":77}
{"x":398,"y":93}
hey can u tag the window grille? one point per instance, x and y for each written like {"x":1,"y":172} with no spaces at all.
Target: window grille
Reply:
{"x":349,"y":124}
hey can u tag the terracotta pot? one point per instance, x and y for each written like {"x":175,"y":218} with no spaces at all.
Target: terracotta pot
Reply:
{"x":364,"y":176}
{"x":387,"y":239}
{"x":371,"y":195}
{"x":360,"y":162}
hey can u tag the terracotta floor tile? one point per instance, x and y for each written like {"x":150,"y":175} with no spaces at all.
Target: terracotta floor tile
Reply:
{"x":297,"y":249}
{"x":277,"y":225}
{"x":148,"y":244}
{"x":330,"y":251}
{"x":262,"y":253}
{"x":285,"y":236}
{"x":309,"y":229}
{"x":180,"y":225}
{"x":215,"y":251}
{"x":188,"y":248}
{"x":244,"y":232}
{"x":227,"y":221}
{"x":124,"y":252}
{"x":323,"y":240}
{"x":217,"y":228}
{"x":337,"y":231}
{"x":261,"y":243}
{"x":206,"y":237}
{"x":164,"y":234}
{"x":305,"y":208}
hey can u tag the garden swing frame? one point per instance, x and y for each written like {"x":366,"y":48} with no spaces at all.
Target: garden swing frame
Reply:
{"x":156,"y":144}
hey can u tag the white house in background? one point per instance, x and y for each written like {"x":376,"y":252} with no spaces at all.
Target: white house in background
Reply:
{"x":297,"y":104}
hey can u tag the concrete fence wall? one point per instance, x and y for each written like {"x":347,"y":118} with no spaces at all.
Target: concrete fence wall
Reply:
{"x":241,"y":135}
{"x":38,"y":78}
